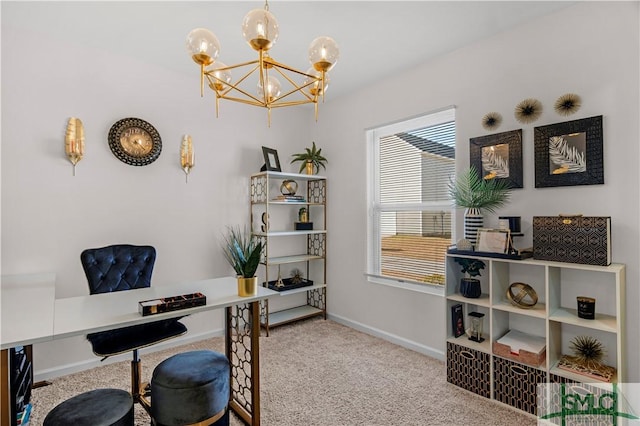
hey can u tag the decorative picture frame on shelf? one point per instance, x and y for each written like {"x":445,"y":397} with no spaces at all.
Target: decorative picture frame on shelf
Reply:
{"x":569,"y":153}
{"x":271,"y":160}
{"x":498,"y":156}
{"x":493,"y":240}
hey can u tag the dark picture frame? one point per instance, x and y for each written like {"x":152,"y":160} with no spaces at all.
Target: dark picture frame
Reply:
{"x":498,"y":156}
{"x":271,"y":160}
{"x":457,"y":320}
{"x":569,"y":153}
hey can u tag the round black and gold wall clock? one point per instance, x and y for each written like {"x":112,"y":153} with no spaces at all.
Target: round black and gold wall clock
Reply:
{"x":135,"y":141}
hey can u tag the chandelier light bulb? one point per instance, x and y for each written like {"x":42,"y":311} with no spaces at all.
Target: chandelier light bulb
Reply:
{"x":222,"y":77}
{"x":323,"y":53}
{"x":313,"y":84}
{"x":272,"y":90}
{"x":260,"y":29}
{"x":203,"y":46}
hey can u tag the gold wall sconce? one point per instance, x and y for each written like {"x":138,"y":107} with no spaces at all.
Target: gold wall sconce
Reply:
{"x":74,"y":141}
{"x":187,"y":156}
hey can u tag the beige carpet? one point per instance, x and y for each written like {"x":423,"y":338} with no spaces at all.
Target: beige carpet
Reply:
{"x":317,"y":373}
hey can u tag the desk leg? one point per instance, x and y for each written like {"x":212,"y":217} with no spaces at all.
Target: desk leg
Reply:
{"x":5,"y":398}
{"x":242,"y":348}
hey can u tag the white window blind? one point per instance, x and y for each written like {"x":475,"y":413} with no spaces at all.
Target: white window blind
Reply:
{"x":410,"y":226}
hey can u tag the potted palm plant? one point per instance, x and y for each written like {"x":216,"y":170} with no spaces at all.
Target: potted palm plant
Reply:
{"x":243,"y":251}
{"x":475,"y":194}
{"x":311,"y":159}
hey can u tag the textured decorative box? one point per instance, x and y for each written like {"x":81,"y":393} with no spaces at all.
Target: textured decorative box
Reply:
{"x":173,"y":303}
{"x":516,"y":384}
{"x":469,"y":369}
{"x":521,"y":347}
{"x":573,"y":239}
{"x":304,"y":226}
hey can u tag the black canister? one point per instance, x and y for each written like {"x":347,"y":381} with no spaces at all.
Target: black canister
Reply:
{"x":586,"y":307}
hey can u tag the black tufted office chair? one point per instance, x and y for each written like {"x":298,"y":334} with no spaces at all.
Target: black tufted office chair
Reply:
{"x":118,"y":268}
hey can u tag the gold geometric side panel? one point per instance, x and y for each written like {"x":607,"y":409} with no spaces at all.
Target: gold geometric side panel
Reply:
{"x":259,"y":189}
{"x":317,"y":191}
{"x":245,"y":373}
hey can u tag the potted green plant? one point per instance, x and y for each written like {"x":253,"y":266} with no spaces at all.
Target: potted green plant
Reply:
{"x":470,"y":287}
{"x":243,"y":251}
{"x":476,"y":194}
{"x":311,"y":159}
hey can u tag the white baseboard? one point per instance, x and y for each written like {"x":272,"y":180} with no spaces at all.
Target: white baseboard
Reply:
{"x":63,"y":370}
{"x":400,"y":341}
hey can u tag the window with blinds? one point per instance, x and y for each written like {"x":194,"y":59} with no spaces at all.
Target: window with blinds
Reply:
{"x":410,"y":223}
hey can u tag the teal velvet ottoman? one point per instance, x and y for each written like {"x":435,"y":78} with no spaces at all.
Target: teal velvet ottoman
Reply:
{"x":99,"y":407}
{"x":191,"y":387}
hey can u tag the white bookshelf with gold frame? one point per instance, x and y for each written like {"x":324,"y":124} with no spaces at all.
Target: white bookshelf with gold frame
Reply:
{"x":273,"y":219}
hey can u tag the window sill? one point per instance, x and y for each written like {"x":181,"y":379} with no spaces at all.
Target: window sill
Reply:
{"x":435,"y":290}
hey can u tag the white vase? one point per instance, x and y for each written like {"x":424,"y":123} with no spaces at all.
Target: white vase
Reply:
{"x":473,"y":221}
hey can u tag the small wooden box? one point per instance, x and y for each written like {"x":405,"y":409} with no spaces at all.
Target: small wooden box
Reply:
{"x":304,"y":226}
{"x":173,"y":303}
{"x":521,"y":347}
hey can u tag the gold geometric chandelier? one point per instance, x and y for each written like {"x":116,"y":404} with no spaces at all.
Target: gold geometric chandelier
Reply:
{"x":260,"y":30}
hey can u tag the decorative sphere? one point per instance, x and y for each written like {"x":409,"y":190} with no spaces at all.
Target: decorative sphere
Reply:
{"x":464,"y":245}
{"x":289,"y":187}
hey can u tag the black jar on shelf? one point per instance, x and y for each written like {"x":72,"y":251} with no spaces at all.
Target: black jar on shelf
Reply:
{"x":586,"y":307}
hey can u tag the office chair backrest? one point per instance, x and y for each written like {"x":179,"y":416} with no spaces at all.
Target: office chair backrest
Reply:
{"x":118,"y":267}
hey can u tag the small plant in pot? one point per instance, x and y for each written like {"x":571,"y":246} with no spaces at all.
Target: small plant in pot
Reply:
{"x":243,"y":251}
{"x":470,"y":287}
{"x":311,"y":159}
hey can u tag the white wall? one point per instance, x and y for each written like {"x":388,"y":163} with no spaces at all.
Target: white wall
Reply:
{"x":49,"y":216}
{"x":590,"y":49}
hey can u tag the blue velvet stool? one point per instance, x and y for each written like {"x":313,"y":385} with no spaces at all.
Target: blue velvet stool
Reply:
{"x":191,"y":387}
{"x":99,"y":407}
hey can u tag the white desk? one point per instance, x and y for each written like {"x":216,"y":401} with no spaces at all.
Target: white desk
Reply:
{"x":31,"y":314}
{"x":27,"y":309}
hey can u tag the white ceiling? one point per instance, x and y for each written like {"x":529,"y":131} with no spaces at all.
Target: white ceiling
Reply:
{"x":376,"y":38}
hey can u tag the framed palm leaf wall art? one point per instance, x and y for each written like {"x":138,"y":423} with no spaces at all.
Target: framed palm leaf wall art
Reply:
{"x":569,"y":153}
{"x":498,"y":156}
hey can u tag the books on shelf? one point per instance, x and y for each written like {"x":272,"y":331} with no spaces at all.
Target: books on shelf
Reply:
{"x":22,"y":418}
{"x":291,"y":198}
